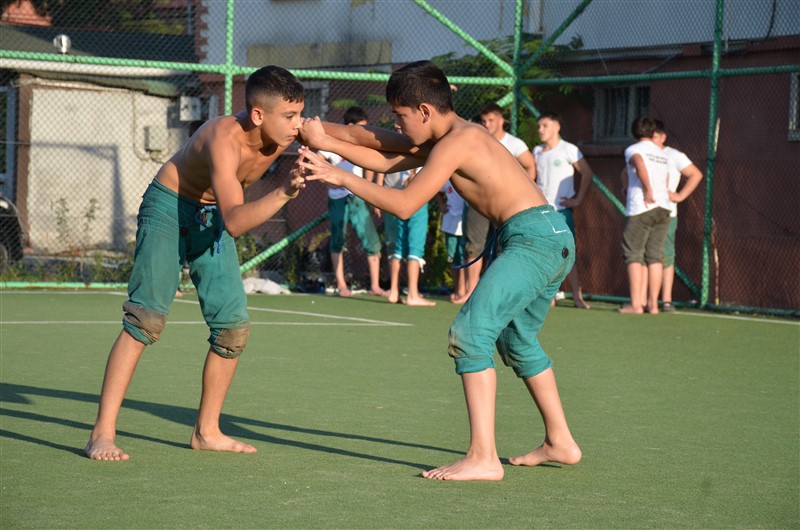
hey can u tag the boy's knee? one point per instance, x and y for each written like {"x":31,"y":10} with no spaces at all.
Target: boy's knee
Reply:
{"x":229,"y":343}
{"x":464,"y":347}
{"x":144,"y":325}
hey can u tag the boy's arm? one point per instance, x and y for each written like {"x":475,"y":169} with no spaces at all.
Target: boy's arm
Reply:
{"x":693,"y":176}
{"x":238,"y":216}
{"x":528,"y":163}
{"x":373,"y":137}
{"x":641,"y":171}
{"x":582,"y":167}
{"x":402,"y":203}
{"x":368,"y":158}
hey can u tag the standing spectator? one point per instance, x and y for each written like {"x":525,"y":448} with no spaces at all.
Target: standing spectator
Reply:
{"x":343,"y":208}
{"x":647,"y":216}
{"x":556,"y":164}
{"x":680,"y":166}
{"x":410,"y":237}
{"x":452,"y":220}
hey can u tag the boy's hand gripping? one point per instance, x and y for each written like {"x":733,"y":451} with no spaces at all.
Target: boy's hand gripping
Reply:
{"x":312,"y":133}
{"x":297,"y":181}
{"x":317,"y":168}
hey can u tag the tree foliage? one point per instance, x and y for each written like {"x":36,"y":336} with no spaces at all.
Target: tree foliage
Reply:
{"x":112,"y":15}
{"x":469,"y":99}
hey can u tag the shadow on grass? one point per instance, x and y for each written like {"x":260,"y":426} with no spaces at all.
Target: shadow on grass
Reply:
{"x":235,"y":426}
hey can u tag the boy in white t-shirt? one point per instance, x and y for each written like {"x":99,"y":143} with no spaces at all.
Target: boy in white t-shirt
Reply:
{"x":556,"y":164}
{"x":680,"y":166}
{"x":647,"y":211}
{"x":452,"y":220}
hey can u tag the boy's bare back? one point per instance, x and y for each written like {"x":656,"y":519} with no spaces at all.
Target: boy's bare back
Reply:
{"x":483,"y":172}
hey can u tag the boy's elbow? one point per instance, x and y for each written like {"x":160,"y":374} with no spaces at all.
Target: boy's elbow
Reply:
{"x":233,"y":230}
{"x":405,"y":212}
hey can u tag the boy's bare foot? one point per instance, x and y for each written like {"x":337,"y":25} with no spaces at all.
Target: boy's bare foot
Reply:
{"x":104,"y":449}
{"x":393,"y":297}
{"x":219,"y":442}
{"x":631,"y":310}
{"x":653,"y":310}
{"x":419,"y":301}
{"x":469,"y":468}
{"x":379,"y":292}
{"x":345,"y":293}
{"x":566,"y":454}
{"x":580,"y":303}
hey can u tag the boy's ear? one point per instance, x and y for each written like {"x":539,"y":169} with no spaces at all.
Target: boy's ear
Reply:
{"x":257,"y":116}
{"x":425,"y":110}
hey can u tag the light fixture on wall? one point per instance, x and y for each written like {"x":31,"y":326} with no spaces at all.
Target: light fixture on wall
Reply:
{"x":62,"y":43}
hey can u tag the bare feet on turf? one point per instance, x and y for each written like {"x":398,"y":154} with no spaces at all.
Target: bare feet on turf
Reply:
{"x":219,"y":442}
{"x":345,"y":293}
{"x":628,"y":309}
{"x":564,"y":454}
{"x":379,"y":292}
{"x":470,"y":468}
{"x":457,"y":298}
{"x":104,"y":449}
{"x":580,"y":303}
{"x":653,"y":310}
{"x":419,"y":301}
{"x":393,"y":297}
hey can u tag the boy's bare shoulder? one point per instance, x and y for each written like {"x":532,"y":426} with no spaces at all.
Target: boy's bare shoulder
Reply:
{"x":461,"y":134}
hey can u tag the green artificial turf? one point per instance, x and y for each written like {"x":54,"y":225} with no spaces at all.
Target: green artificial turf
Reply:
{"x":687,"y":420}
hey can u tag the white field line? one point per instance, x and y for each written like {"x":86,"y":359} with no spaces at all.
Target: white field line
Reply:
{"x":347,"y":321}
{"x":734,"y":317}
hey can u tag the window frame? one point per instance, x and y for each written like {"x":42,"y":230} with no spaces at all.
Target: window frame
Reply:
{"x":634,"y":94}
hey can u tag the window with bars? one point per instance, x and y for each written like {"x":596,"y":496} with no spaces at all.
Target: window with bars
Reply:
{"x":615,"y":109}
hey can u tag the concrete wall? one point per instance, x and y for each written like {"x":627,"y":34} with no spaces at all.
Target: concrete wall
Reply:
{"x":87,"y":144}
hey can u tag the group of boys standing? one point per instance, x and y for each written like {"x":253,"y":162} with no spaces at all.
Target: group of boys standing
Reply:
{"x":650,"y":180}
{"x":551,"y":165}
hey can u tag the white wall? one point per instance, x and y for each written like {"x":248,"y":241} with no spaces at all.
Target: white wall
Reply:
{"x":88,"y":144}
{"x":611,"y":24}
{"x":605,"y":24}
{"x":414,"y":34}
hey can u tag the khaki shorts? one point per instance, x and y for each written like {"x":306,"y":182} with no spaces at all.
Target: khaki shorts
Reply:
{"x":644,"y":235}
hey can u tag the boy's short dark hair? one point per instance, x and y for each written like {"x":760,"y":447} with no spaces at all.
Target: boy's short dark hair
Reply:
{"x":417,"y":83}
{"x":490,"y":108}
{"x":643,"y":127}
{"x":355,"y":115}
{"x":271,"y":81}
{"x":553,"y":116}
{"x":659,"y":127}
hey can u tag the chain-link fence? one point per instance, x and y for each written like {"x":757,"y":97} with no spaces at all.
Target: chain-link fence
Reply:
{"x":95,"y":96}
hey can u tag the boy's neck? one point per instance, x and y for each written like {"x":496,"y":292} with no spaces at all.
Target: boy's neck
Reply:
{"x":444,"y":123}
{"x":551,"y":144}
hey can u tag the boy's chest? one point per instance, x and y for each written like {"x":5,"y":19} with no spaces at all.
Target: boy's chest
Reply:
{"x":253,"y":168}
